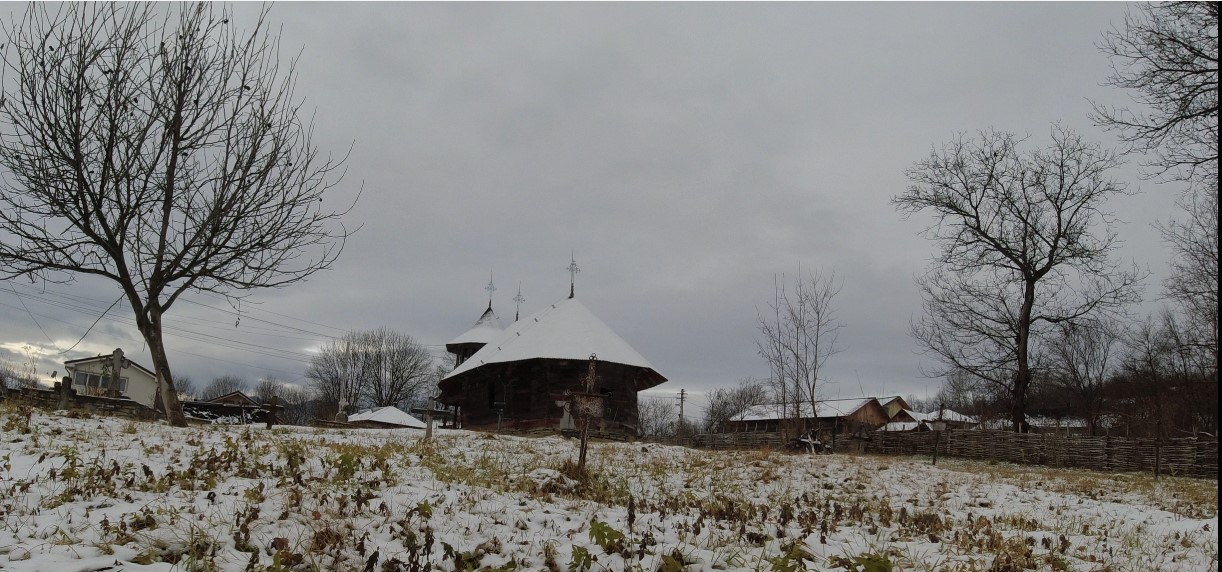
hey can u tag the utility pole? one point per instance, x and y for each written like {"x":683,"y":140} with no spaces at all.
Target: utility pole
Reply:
{"x":682,"y":398}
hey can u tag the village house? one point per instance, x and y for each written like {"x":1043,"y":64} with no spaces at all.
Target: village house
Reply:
{"x":233,"y":408}
{"x":238,"y":398}
{"x":828,"y":419}
{"x":908,"y":420}
{"x":95,"y":376}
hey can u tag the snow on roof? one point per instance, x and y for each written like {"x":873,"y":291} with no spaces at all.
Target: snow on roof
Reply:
{"x":900,"y":426}
{"x":486,"y":329}
{"x":564,"y":330}
{"x":823,"y":409}
{"x":946,"y":415}
{"x":389,"y":414}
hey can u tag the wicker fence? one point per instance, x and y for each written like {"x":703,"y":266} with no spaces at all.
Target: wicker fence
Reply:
{"x":1185,"y":456}
{"x":744,"y":440}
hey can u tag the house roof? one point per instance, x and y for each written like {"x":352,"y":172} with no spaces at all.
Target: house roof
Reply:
{"x":946,"y":415}
{"x":486,"y":329}
{"x":232,"y":396}
{"x":72,"y":362}
{"x":565,"y":330}
{"x":823,"y":409}
{"x":900,"y":426}
{"x":885,"y":401}
{"x":390,"y":415}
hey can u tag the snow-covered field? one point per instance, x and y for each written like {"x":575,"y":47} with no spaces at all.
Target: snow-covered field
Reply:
{"x":109,"y":494}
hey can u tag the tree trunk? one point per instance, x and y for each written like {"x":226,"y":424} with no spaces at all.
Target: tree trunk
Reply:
{"x":151,"y":330}
{"x":1022,"y":378}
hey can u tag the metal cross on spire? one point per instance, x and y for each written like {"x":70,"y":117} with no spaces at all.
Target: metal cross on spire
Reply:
{"x":573,"y":271}
{"x":490,"y":288}
{"x":520,"y":300}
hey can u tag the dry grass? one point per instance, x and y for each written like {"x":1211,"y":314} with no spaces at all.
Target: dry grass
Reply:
{"x":1188,"y":497}
{"x":299,"y":500}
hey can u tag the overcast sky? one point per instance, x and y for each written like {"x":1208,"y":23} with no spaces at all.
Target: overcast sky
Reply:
{"x":686,"y":153}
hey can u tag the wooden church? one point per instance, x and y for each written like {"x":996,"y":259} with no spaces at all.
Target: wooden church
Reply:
{"x":519,"y":379}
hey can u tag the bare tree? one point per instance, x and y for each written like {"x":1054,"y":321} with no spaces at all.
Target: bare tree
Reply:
{"x":268,"y":387}
{"x":223,"y":385}
{"x":921,"y":404}
{"x":296,"y":405}
{"x":291,"y":401}
{"x":165,"y":153}
{"x":656,"y":417}
{"x":376,"y":367}
{"x":403,"y":368}
{"x":1025,"y":244}
{"x":8,"y":376}
{"x":1167,"y":53}
{"x":185,"y":387}
{"x":732,"y":403}
{"x":963,"y":393}
{"x":1193,"y":280}
{"x":1083,"y":357}
{"x":13,"y":377}
{"x":798,"y":334}
{"x":1166,"y":384}
{"x":337,"y":374}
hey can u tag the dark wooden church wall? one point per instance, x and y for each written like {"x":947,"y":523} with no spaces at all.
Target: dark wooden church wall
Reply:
{"x":530,"y":391}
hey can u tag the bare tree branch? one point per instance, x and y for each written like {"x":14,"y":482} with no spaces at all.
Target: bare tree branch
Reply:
{"x":1167,"y":54}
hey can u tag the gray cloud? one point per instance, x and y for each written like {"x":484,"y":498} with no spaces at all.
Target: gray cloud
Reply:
{"x":686,"y":152}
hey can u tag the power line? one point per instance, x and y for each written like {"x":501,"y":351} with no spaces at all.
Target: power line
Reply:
{"x":296,"y":376}
{"x":222,"y":342}
{"x":87,"y":300}
{"x":303,"y":320}
{"x":89,"y":310}
{"x":31,"y":315}
{"x":84,"y":305}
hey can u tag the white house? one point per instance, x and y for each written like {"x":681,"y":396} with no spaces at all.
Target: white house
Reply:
{"x":92,"y":376}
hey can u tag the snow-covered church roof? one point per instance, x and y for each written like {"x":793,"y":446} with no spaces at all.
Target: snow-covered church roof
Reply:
{"x":486,"y":329}
{"x":565,"y":330}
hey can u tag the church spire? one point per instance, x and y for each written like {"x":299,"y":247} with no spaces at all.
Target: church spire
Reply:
{"x":573,"y":271}
{"x":519,"y":299}
{"x":490,"y":288}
